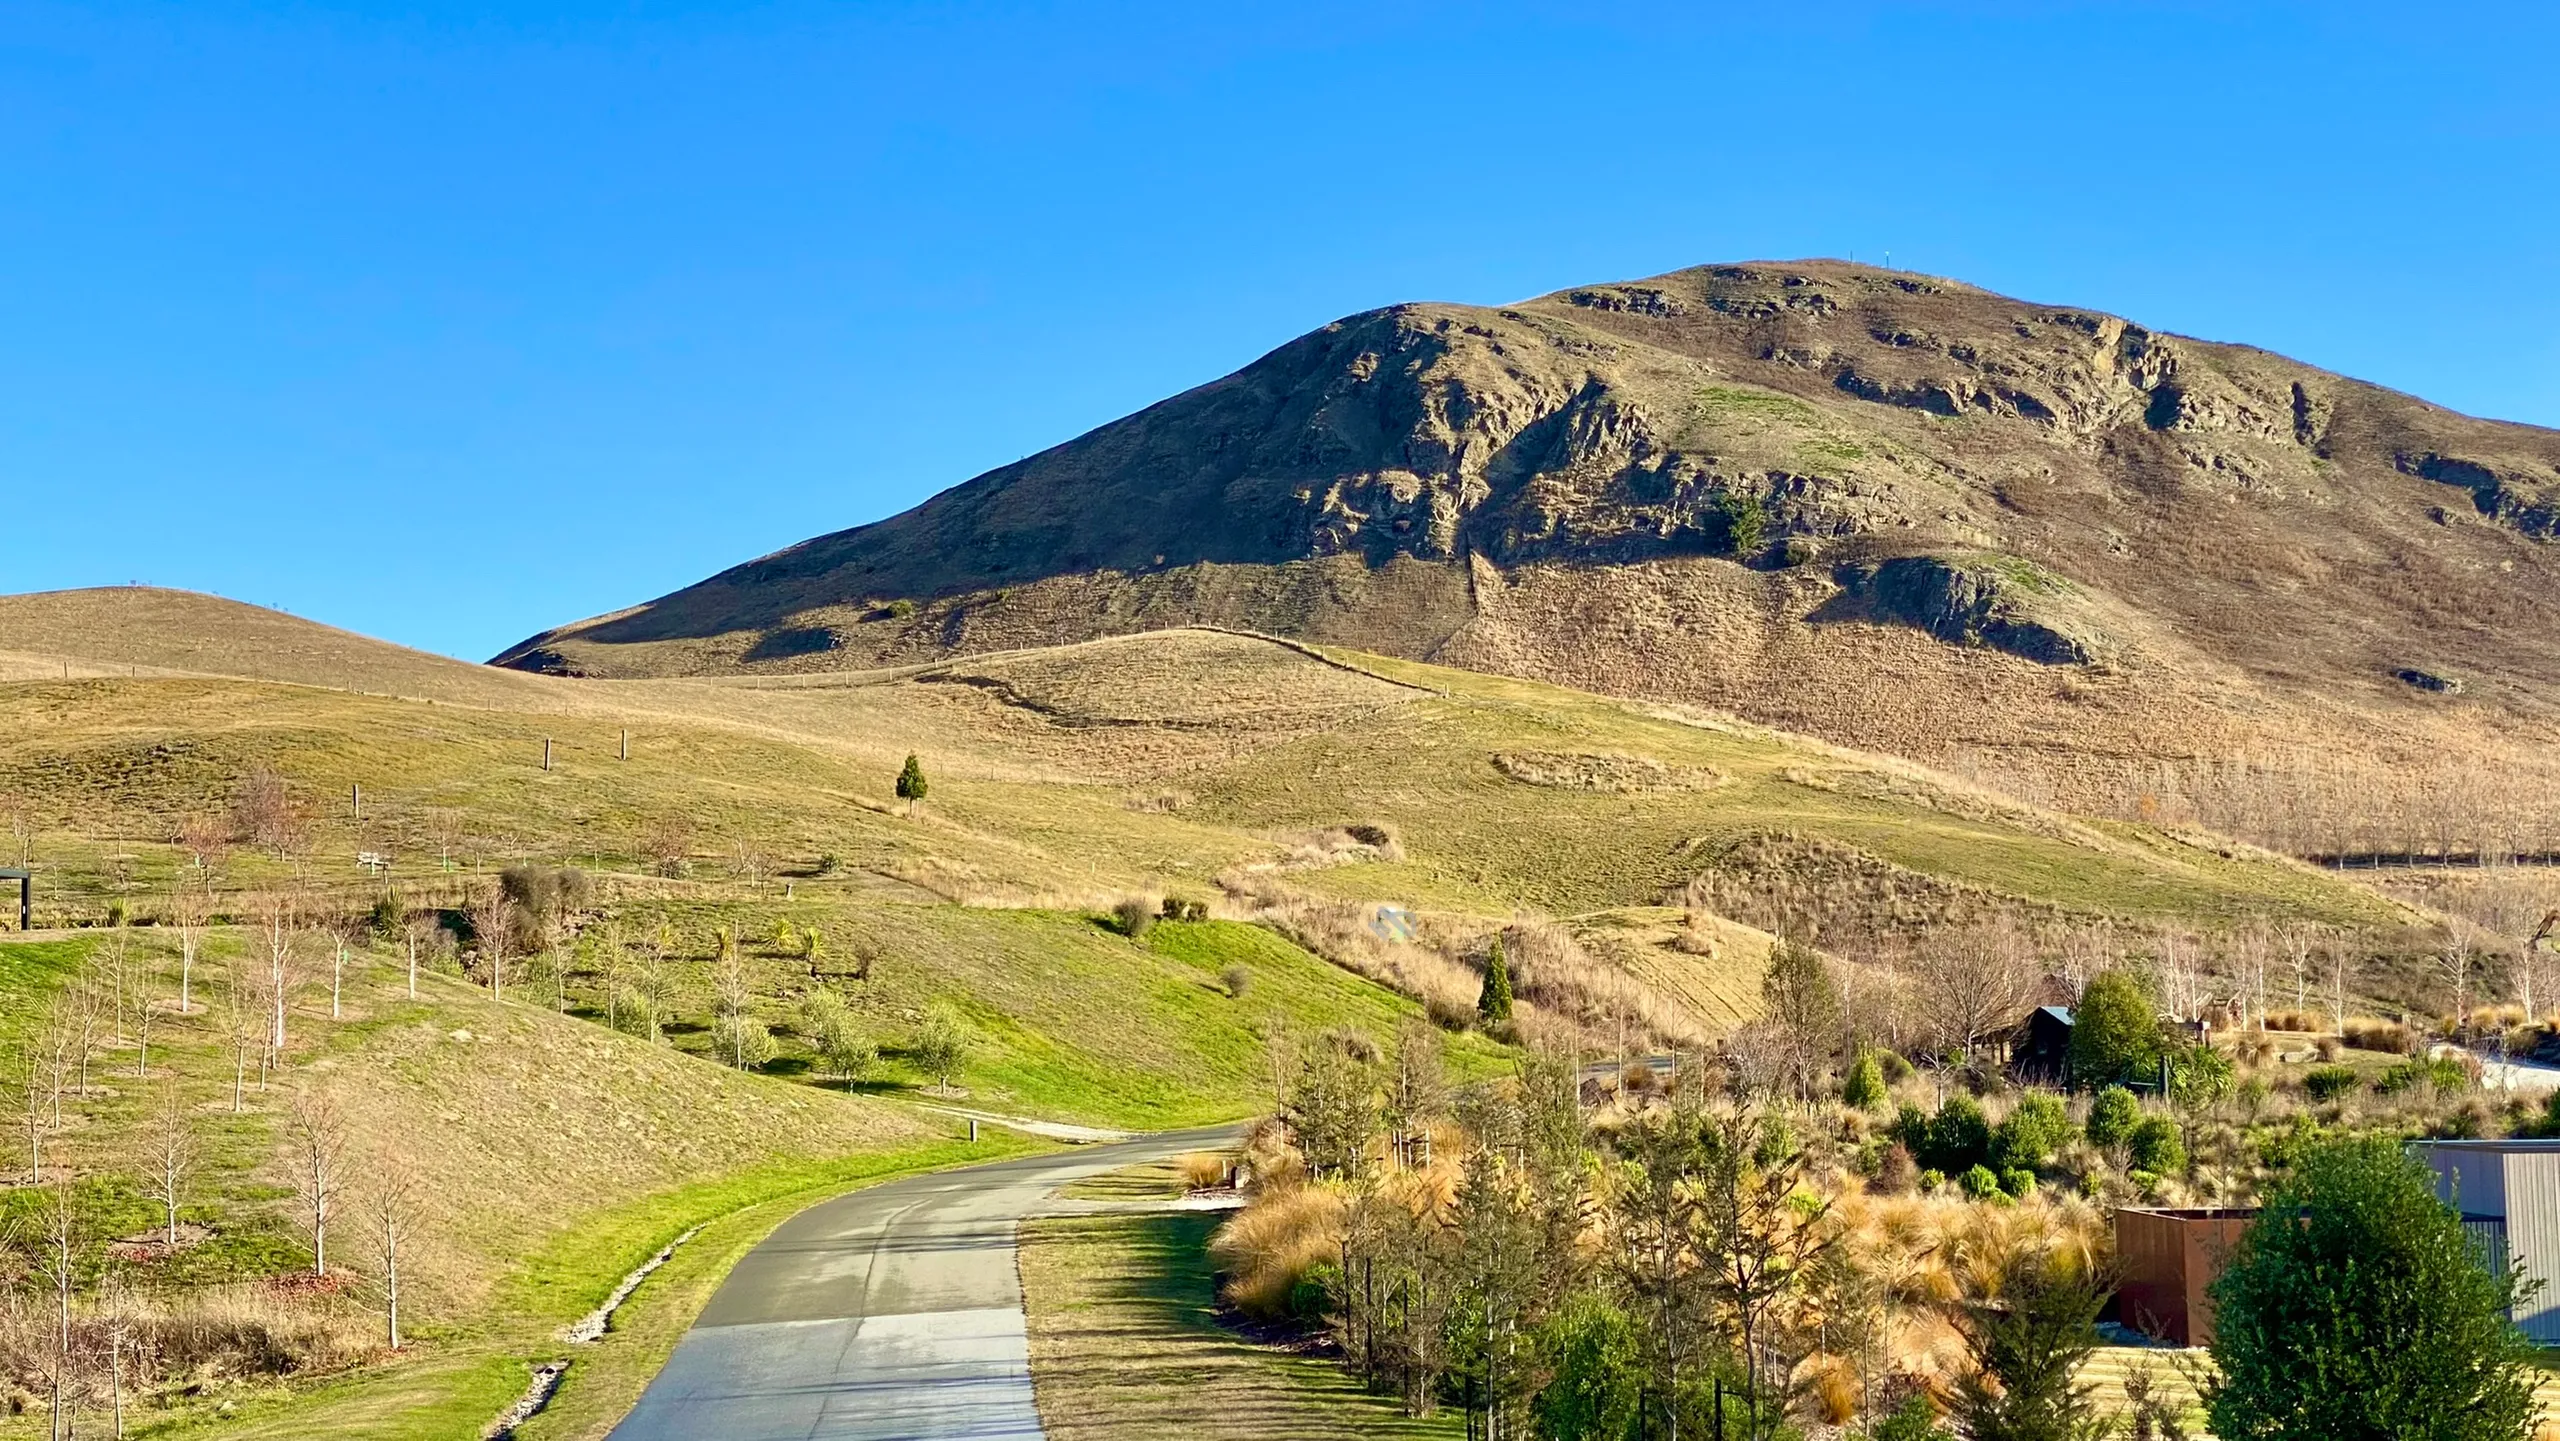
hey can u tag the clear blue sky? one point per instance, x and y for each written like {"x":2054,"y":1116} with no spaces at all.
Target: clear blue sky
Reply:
{"x":452,"y":323}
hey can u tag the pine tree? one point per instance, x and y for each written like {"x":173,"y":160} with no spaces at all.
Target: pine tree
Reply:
{"x":912,"y":784}
{"x":1494,"y":1003}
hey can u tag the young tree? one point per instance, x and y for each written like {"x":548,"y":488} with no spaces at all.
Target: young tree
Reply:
{"x":2115,"y":1033}
{"x":416,"y":932}
{"x":190,"y":915}
{"x":494,"y":928}
{"x":58,"y":1264}
{"x":1759,"y":1231}
{"x":1333,"y":1104}
{"x":2028,"y":1324}
{"x":1416,"y":1091}
{"x":1493,"y":1003}
{"x":943,"y":1043}
{"x":169,"y":1149}
{"x":277,"y":918}
{"x":836,"y":1037}
{"x":31,"y":1077}
{"x":1803,"y":1006}
{"x":241,"y":1014}
{"x":1652,"y":1205}
{"x":146,"y":1019}
{"x":912,"y":785}
{"x":317,"y":1144}
{"x":2356,"y":1309}
{"x":390,"y":1214}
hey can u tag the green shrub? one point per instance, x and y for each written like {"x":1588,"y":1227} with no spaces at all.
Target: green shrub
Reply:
{"x":1955,"y":1140}
{"x":1980,"y":1183}
{"x":1864,"y":1089}
{"x":2019,"y":1183}
{"x":2036,"y":1127}
{"x":2328,"y":1083}
{"x":1237,"y":980}
{"x":2154,"y":1145}
{"x":942,"y":1044}
{"x":2199,"y":1077}
{"x":1746,"y":521}
{"x":1932,"y":1180}
{"x":2356,"y":1307}
{"x":2112,"y":1117}
{"x":1914,"y":1420}
{"x":2115,"y":1031}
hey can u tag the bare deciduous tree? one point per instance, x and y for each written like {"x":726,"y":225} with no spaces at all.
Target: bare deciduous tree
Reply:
{"x":169,"y":1147}
{"x":1971,"y":982}
{"x":277,"y":918}
{"x":190,"y":915}
{"x":493,"y":931}
{"x":416,"y":932}
{"x":317,"y":1141}
{"x":390,"y":1214}
{"x":58,"y":1264}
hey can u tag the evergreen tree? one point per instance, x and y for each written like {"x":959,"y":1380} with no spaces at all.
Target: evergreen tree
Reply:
{"x":2356,"y":1309}
{"x":2112,"y":1117}
{"x":912,"y":785}
{"x":1864,"y":1089}
{"x":1804,"y":1005}
{"x":2028,"y":1333}
{"x":2115,"y":1032}
{"x":1494,"y":1003}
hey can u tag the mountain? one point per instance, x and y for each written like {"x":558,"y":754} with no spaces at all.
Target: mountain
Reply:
{"x":2045,"y":544}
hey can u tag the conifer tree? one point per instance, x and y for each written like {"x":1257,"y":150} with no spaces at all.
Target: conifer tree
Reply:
{"x":912,"y":784}
{"x":1494,"y":1003}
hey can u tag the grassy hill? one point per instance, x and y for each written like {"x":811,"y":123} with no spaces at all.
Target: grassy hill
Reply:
{"x":2099,"y":561}
{"x":1202,"y":763}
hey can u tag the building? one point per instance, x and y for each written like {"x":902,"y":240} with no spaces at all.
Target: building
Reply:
{"x":2168,"y":1258}
{"x":2509,"y":1195}
{"x":2040,"y":1049}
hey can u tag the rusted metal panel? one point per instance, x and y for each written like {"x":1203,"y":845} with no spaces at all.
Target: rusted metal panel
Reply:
{"x":2167,"y":1260}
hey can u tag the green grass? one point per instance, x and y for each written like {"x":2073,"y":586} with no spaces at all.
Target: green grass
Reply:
{"x":1126,"y":1343}
{"x":1074,"y":1021}
{"x":455,"y":1384}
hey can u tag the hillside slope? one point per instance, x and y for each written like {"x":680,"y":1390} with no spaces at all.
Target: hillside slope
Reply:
{"x":1894,"y":511}
{"x":1256,"y":773}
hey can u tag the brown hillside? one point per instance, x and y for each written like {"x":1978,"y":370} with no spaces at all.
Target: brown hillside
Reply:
{"x":1896,"y":511}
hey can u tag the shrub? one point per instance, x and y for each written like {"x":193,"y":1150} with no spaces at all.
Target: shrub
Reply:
{"x":1956,"y":1139}
{"x":836,"y":1037}
{"x":2328,"y":1047}
{"x":1236,"y":979}
{"x":1183,"y":908}
{"x":1932,"y":1180}
{"x":1204,"y":1170}
{"x":1896,"y":1069}
{"x":2035,"y":1128}
{"x":1914,"y":1420}
{"x":741,"y":1040}
{"x":1897,"y":1172}
{"x":1864,"y":1089}
{"x":942,"y":1044}
{"x":2328,"y":1083}
{"x":387,"y":917}
{"x":2112,"y":1117}
{"x":2199,"y":1077}
{"x":1980,"y":1183}
{"x":2115,"y":1031}
{"x":1134,"y":916}
{"x":1596,"y":1358}
{"x":2446,"y":1075}
{"x":634,"y":1014}
{"x":2020,"y":1182}
{"x":1269,"y":1247}
{"x":2155,"y":1146}
{"x":830,"y":863}
{"x":2354,"y":1307}
{"x":1746,"y":520}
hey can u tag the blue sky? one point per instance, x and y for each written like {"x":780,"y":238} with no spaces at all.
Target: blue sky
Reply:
{"x":451,"y":323}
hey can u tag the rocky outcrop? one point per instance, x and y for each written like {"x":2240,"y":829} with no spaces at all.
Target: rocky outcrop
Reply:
{"x":1996,"y":601}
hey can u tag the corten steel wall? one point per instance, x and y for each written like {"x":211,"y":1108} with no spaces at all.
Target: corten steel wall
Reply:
{"x":2169,"y":1258}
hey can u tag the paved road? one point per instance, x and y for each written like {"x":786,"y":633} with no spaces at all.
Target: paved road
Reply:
{"x":891,"y":1314}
